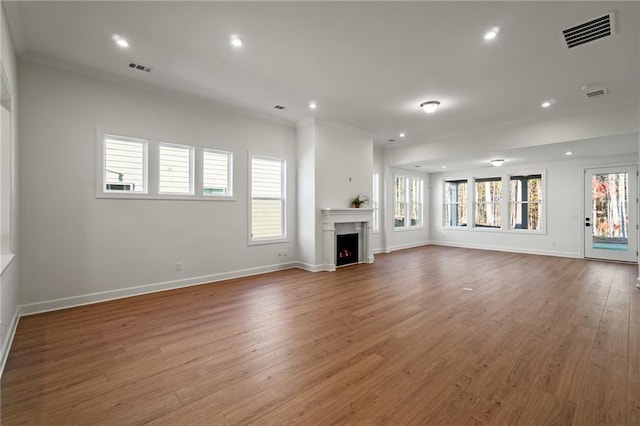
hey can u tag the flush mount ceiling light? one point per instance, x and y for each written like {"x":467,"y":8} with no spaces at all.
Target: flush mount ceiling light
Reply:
{"x":492,"y":33}
{"x":236,"y":41}
{"x":430,"y":106}
{"x":497,"y":163}
{"x":548,"y":103}
{"x":313,"y":105}
{"x":120,"y":41}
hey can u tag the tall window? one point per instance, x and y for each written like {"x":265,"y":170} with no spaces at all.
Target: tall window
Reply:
{"x":176,"y":169}
{"x":216,"y":172}
{"x":376,"y":202}
{"x":455,"y":203}
{"x":525,"y":202}
{"x":125,"y":164}
{"x":408,"y":206}
{"x":267,"y":198}
{"x":488,"y":203}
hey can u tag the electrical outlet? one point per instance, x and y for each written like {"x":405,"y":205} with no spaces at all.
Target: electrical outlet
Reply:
{"x":553,"y":243}
{"x":178,"y":266}
{"x":284,"y":253}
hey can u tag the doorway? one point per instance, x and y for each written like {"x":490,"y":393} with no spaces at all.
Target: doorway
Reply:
{"x":610,"y":221}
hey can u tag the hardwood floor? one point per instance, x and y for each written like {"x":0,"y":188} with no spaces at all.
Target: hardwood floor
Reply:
{"x":423,"y":336}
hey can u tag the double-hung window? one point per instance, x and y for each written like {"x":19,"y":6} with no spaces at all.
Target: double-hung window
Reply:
{"x":488,"y":202}
{"x":125,"y":164}
{"x":268,"y":207}
{"x":455,"y":203}
{"x":525,"y":202}
{"x":408,"y":204}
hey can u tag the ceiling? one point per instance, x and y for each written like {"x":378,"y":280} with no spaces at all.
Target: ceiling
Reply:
{"x":367,"y":64}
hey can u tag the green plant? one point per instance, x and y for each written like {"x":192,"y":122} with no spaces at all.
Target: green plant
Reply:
{"x":359,"y":200}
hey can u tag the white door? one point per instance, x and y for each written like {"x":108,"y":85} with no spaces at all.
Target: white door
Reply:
{"x":610,"y":222}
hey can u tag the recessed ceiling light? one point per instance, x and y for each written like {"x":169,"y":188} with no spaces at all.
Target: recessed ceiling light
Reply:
{"x":120,"y":41}
{"x":430,"y":106}
{"x":548,"y":103}
{"x":313,"y":105}
{"x":497,"y":163}
{"x":402,"y":135}
{"x":492,"y":33}
{"x":236,"y":41}
{"x":568,"y":153}
{"x":444,"y":167}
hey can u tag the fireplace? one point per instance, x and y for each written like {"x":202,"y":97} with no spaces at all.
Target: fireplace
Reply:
{"x":339,"y":222}
{"x":346,"y":249}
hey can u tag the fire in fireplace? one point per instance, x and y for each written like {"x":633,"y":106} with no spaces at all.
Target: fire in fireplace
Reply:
{"x":346,"y":249}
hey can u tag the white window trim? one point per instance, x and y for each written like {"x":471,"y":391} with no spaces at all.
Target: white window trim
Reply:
{"x":505,"y":204}
{"x":375,"y":199}
{"x":444,"y":202}
{"x":103,"y":164}
{"x":151,"y":171}
{"x":200,"y":188}
{"x":192,"y":155}
{"x":270,"y":240}
{"x":407,"y":226}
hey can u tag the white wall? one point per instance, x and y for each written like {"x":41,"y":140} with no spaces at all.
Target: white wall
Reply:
{"x":306,"y":156}
{"x":378,"y":238}
{"x":9,"y":277}
{"x":73,"y":244}
{"x":564,"y":209}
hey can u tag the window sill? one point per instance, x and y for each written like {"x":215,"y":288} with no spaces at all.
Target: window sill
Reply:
{"x":5,"y":261}
{"x":115,"y":196}
{"x":496,"y":230}
{"x":268,"y":241}
{"x":405,"y":229}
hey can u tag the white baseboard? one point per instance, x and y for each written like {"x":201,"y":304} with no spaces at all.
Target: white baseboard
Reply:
{"x":8,"y":340}
{"x":509,"y":249}
{"x":309,"y":267}
{"x":406,"y":246}
{"x":103,"y":296}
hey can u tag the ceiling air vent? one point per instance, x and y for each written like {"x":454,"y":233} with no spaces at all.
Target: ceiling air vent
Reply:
{"x":589,"y":31}
{"x":139,"y":67}
{"x":594,"y":91}
{"x":280,"y":107}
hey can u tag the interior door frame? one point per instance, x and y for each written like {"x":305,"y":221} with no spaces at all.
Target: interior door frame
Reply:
{"x":583,"y":212}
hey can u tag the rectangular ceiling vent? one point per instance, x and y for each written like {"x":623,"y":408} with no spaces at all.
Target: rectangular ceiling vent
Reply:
{"x":594,"y":91}
{"x":589,"y":31}
{"x":139,"y":67}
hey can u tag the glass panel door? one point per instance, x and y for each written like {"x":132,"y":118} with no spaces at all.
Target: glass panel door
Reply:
{"x":610,"y":214}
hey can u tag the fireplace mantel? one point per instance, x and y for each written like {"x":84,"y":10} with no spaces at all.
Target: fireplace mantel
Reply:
{"x":361,"y":219}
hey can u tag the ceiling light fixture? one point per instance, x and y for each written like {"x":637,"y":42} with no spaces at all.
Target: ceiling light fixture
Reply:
{"x":497,"y":163}
{"x":547,"y":104}
{"x":492,"y":33}
{"x":444,"y":167}
{"x":313,"y":105}
{"x":122,"y":42}
{"x":568,"y":153}
{"x":430,"y":106}
{"x":236,"y":41}
{"x":402,"y":135}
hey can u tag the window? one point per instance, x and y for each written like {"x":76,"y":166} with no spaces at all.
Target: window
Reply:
{"x":125,"y":164}
{"x":408,"y":202}
{"x":176,"y":169}
{"x":525,"y":202}
{"x":267,"y":198}
{"x":488,"y":203}
{"x":376,"y":202}
{"x":455,"y":203}
{"x":216,"y":173}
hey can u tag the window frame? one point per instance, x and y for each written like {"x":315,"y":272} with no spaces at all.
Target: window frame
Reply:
{"x":542,"y":204}
{"x":408,"y":202}
{"x":499,"y":203}
{"x":229,"y":155}
{"x":375,"y":203}
{"x":145,"y":164}
{"x":284,"y":219}
{"x":456,"y":203}
{"x":152,"y":173}
{"x":192,"y":155}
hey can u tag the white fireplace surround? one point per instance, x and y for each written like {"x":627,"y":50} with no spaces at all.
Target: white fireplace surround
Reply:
{"x":346,"y":221}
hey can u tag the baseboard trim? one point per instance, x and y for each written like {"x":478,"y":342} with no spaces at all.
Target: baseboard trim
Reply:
{"x":309,"y":267}
{"x":508,"y":249}
{"x":407,"y":246}
{"x":8,"y":341}
{"x":104,"y":296}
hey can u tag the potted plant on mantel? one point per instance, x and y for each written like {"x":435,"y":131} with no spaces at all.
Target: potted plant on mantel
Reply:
{"x":359,"y":200}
